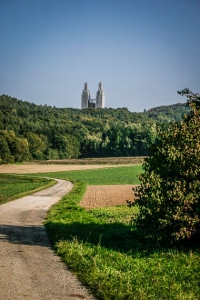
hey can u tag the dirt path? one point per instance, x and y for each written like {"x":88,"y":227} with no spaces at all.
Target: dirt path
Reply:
{"x":29,"y":269}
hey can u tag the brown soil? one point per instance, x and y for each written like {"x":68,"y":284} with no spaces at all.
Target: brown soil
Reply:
{"x":107,"y":195}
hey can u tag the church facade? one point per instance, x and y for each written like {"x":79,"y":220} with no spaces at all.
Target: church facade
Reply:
{"x":87,"y":102}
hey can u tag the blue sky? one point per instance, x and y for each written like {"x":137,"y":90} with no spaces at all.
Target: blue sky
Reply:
{"x":142,"y":50}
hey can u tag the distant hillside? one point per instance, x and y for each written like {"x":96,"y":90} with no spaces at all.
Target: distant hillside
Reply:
{"x":31,"y":132}
{"x":168,"y":112}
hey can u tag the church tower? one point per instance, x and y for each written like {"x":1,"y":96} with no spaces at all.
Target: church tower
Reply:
{"x":87,"y":102}
{"x":100,"y":98}
{"x":85,"y":97}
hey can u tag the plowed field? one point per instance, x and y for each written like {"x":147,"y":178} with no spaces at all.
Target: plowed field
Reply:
{"x":95,"y":196}
{"x":107,"y":195}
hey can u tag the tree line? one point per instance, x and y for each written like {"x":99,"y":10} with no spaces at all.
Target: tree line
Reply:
{"x":34,"y":132}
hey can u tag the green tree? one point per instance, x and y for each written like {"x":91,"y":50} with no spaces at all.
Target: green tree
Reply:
{"x":52,"y":154}
{"x":20,"y":149}
{"x":12,"y":148}
{"x":168,"y":198}
{"x":5,"y":154}
{"x":66,"y":145}
{"x":36,"y":145}
{"x":85,"y":133}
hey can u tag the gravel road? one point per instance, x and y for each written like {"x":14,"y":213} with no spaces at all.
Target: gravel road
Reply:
{"x":29,"y":269}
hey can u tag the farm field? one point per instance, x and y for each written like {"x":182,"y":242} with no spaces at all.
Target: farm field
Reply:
{"x":116,"y":193}
{"x":37,"y":168}
{"x":101,"y":176}
{"x":107,"y":195}
{"x":101,"y":247}
{"x":69,"y":164}
{"x":13,"y":186}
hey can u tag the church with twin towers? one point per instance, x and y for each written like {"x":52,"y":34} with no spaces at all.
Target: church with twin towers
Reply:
{"x":87,"y":102}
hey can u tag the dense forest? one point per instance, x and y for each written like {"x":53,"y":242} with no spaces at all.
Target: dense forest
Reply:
{"x":34,"y":132}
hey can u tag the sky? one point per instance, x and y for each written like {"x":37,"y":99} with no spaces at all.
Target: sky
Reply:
{"x":143,"y":51}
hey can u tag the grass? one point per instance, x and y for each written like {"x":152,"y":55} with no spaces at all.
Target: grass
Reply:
{"x":102,"y":248}
{"x":15,"y":186}
{"x":105,"y":254}
{"x":117,"y":175}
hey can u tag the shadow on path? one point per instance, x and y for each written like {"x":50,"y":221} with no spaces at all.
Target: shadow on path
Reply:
{"x":24,"y":235}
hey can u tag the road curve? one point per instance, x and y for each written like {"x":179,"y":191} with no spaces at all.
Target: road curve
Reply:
{"x":29,"y":269}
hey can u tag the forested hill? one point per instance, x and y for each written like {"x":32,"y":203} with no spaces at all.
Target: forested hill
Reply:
{"x":167,"y":113}
{"x":29,"y":131}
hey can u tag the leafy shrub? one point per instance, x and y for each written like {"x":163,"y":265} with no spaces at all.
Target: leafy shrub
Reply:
{"x":168,"y":197}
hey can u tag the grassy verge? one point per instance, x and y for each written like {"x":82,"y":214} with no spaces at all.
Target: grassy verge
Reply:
{"x":15,"y":186}
{"x":102,"y":248}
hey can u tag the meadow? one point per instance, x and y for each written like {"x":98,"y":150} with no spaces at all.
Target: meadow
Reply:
{"x":117,"y":175}
{"x":102,"y":248}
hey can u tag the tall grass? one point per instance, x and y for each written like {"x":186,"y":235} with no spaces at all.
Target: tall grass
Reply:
{"x":114,"y":275}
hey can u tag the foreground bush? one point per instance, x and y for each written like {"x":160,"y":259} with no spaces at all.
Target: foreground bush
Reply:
{"x":168,"y":197}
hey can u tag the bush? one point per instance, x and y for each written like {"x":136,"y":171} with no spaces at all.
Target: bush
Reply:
{"x":168,"y":197}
